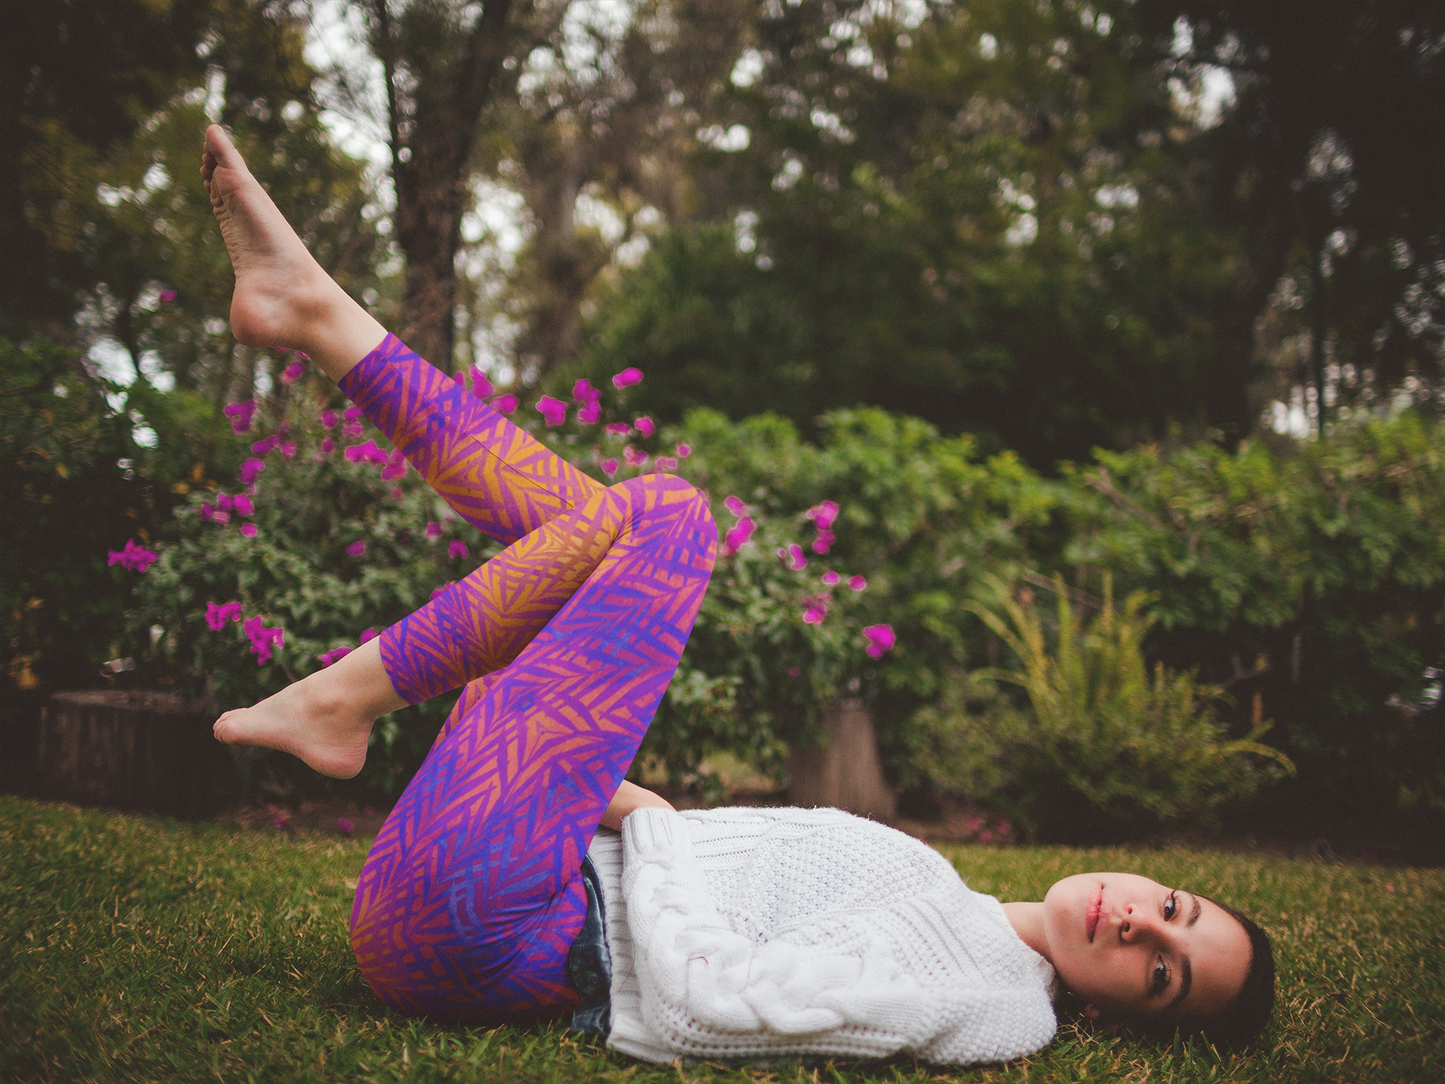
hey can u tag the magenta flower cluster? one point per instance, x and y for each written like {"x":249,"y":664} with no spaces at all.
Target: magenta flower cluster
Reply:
{"x":219,"y":510}
{"x":588,"y":400}
{"x":240,"y":414}
{"x":263,"y":639}
{"x":880,"y":638}
{"x":133,"y":556}
{"x":823,"y":514}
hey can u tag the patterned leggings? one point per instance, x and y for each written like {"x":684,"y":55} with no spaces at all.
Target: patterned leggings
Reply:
{"x":565,"y":642}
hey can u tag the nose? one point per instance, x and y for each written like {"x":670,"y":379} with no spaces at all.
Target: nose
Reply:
{"x":1137,"y":923}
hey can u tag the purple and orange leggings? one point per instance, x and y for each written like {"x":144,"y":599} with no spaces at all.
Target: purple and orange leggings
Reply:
{"x":564,"y":644}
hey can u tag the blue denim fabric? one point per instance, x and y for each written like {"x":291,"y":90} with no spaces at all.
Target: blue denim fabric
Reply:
{"x":590,"y":964}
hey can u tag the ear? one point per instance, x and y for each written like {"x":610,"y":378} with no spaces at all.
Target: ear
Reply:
{"x":1101,"y":1019}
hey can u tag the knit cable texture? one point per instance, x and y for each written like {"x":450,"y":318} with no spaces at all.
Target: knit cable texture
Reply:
{"x":764,"y":933}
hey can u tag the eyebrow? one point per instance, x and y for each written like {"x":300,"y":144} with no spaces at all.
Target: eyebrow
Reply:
{"x":1186,"y":980}
{"x":1194,"y":914}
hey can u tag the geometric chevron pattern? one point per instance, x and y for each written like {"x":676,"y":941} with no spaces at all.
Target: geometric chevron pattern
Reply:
{"x":472,"y":895}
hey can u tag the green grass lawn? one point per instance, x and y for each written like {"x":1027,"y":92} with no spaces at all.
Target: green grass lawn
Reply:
{"x":138,"y":949}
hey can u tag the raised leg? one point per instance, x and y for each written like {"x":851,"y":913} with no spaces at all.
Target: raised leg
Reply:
{"x":470,"y":897}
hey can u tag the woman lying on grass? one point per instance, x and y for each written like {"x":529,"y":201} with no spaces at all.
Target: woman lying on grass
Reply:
{"x":490,"y":895}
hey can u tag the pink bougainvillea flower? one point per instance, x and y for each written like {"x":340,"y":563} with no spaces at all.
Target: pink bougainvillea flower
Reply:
{"x":250,"y":469}
{"x":357,"y":548}
{"x":329,"y":657}
{"x":351,"y":430}
{"x":240,"y":414}
{"x":243,"y":504}
{"x":224,"y":503}
{"x":738,"y":537}
{"x":554,"y":411}
{"x":284,"y":429}
{"x":824,"y":542}
{"x":504,"y":404}
{"x":815,"y":609}
{"x":207,"y":511}
{"x":367,"y":635}
{"x":590,"y":413}
{"x":440,"y":590}
{"x":328,"y":419}
{"x":666,"y":462}
{"x":458,"y":548}
{"x":735,"y":506}
{"x":857,"y":583}
{"x":344,"y":826}
{"x":609,"y":467}
{"x":262,"y":639}
{"x":880,"y":639}
{"x":248,"y":530}
{"x":288,"y":449}
{"x":822,"y":514}
{"x":352,"y":413}
{"x":684,"y":450}
{"x":166,"y":295}
{"x":366,"y":453}
{"x":395,"y":466}
{"x":584,"y":392}
{"x":792,"y":556}
{"x":634,"y":457}
{"x":831,"y":578}
{"x":617,"y":429}
{"x":627,"y":378}
{"x":433,"y":530}
{"x":217,"y":616}
{"x":481,"y":386}
{"x":645,"y":425}
{"x":133,"y":556}
{"x":327,"y":445}
{"x":293,"y":372}
{"x":222,"y":517}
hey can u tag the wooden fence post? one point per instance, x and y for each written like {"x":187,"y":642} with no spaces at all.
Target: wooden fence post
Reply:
{"x":846,"y":773}
{"x":134,"y":750}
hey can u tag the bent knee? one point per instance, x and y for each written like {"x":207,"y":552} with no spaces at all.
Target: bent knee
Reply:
{"x":666,"y":495}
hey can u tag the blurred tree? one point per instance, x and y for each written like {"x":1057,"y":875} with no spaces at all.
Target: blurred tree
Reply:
{"x":1328,"y":170}
{"x":598,"y":142}
{"x":442,"y":63}
{"x":978,"y":217}
{"x":76,"y":78}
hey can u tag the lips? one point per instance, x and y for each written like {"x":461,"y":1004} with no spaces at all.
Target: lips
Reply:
{"x":1093,"y":911}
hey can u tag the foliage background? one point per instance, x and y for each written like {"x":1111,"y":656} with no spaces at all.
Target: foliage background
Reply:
{"x":1000,"y":278}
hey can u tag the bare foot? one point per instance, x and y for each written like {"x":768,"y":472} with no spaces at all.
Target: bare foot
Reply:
{"x":275,"y":275}
{"x":283,"y":298}
{"x":325,"y":719}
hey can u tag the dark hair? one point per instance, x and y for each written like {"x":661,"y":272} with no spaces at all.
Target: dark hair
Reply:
{"x":1243,"y":1020}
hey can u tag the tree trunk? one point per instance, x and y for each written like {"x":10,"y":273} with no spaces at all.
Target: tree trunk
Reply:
{"x":846,"y":773}
{"x":436,"y":89}
{"x":145,"y":751}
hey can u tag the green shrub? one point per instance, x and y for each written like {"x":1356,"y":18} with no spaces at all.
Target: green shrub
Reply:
{"x":1107,"y":748}
{"x":1309,"y":578}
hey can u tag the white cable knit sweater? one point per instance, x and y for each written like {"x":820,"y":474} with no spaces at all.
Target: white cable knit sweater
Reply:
{"x":761,"y":933}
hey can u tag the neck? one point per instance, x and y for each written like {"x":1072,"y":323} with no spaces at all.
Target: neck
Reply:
{"x":1027,"y":919}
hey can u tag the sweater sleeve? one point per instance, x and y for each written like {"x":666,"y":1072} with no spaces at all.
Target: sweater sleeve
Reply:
{"x":692,"y":967}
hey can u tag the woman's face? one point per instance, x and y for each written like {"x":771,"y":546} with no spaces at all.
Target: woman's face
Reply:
{"x":1132,"y":947}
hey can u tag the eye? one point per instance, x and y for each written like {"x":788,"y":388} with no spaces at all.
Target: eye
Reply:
{"x":1171,"y":906}
{"x":1161,"y":976}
